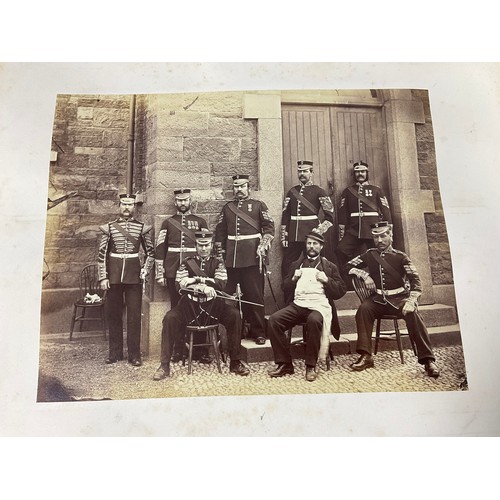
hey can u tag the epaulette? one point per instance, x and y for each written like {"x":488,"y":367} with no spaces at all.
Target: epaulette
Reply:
{"x":146,"y":228}
{"x":105,"y":227}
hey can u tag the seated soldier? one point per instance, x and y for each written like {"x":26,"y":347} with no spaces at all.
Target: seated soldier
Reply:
{"x":386,"y":272}
{"x":314,"y":282}
{"x":199,"y":278}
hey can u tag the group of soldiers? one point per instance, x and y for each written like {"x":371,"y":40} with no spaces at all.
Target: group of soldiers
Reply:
{"x":218,"y":276}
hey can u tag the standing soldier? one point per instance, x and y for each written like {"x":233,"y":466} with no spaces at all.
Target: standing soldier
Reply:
{"x":243,"y":236}
{"x":176,"y":241}
{"x":361,"y":205}
{"x":120,"y":273}
{"x":301,"y":207}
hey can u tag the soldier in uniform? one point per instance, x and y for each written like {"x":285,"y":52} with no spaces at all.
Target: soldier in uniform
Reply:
{"x":361,"y":205}
{"x":120,"y":273}
{"x":201,"y":276}
{"x":396,"y":287}
{"x":243,"y":236}
{"x":176,"y":241}
{"x":301,"y":208}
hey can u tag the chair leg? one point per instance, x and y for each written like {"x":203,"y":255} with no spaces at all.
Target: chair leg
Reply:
{"x":398,"y":340}
{"x":72,"y":323}
{"x":213,"y":339}
{"x":190,"y":352}
{"x":377,"y":336}
{"x":84,"y":310}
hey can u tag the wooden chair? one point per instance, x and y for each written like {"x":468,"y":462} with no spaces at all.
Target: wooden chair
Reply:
{"x":208,"y":331}
{"x":363,"y":293}
{"x":89,"y":284}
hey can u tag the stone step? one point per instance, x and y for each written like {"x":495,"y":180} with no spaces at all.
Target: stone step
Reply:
{"x":440,"y":335}
{"x":433,"y":315}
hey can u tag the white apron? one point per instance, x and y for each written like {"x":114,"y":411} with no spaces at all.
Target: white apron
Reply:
{"x":309,"y":293}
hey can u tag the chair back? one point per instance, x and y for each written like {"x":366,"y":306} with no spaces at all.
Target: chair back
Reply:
{"x":360,"y":288}
{"x":89,"y":282}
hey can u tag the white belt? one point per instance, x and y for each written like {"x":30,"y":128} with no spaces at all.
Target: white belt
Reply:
{"x":362,"y":214}
{"x":396,"y":291}
{"x":185,"y":249}
{"x":124,"y":255}
{"x":239,"y":237}
{"x":304,"y":217}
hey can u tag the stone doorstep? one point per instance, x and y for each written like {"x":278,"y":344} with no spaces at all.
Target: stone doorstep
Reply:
{"x":440,"y":335}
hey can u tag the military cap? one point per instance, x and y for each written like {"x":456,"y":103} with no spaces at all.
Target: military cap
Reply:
{"x":127,"y":198}
{"x":182,"y":194}
{"x":380,"y":227}
{"x":240,"y":179}
{"x":360,"y":166}
{"x":204,"y":236}
{"x":313,"y":235}
{"x":304,"y":165}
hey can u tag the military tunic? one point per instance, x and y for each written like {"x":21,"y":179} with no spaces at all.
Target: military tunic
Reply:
{"x":357,"y":216}
{"x":394,"y":288}
{"x":174,"y":245}
{"x":119,"y":262}
{"x":239,"y":239}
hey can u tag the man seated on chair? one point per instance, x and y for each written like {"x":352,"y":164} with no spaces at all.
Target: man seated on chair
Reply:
{"x":198,"y":279}
{"x":386,"y":273}
{"x":314,"y":283}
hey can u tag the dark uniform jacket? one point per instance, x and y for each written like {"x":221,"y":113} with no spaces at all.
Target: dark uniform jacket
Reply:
{"x":392,"y":287}
{"x":173,"y":246}
{"x":357,"y":216}
{"x":209,"y":271}
{"x":298,"y":219}
{"x":238,"y":238}
{"x":118,"y":258}
{"x":334,"y":289}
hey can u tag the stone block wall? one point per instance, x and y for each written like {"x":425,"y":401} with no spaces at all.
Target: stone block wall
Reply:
{"x":90,"y":137}
{"x":439,"y":249}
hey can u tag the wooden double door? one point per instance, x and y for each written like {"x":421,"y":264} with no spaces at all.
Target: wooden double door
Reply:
{"x":334,"y":137}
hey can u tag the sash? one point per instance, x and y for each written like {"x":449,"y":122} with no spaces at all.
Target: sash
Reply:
{"x":254,"y":223}
{"x":193,"y":266}
{"x":387,"y":266}
{"x":303,"y":200}
{"x":363,"y":198}
{"x":125,"y":233}
{"x":188,"y":232}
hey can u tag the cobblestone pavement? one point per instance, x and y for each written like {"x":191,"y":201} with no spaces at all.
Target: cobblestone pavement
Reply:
{"x":76,"y":370}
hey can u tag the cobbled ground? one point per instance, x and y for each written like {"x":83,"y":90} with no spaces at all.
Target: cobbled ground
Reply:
{"x":76,"y":371}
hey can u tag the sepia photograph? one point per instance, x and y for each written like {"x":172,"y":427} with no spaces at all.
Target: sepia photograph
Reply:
{"x":245,"y":243}
{"x":249,"y":249}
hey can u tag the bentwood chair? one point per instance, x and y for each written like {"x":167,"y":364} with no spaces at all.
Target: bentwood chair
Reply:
{"x":89,"y":286}
{"x":363,"y":293}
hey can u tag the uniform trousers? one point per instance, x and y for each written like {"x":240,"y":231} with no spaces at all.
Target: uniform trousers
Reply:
{"x":252,"y":287}
{"x":290,"y":255}
{"x":285,"y":319}
{"x":369,"y":311}
{"x":128,"y":296}
{"x":172,"y":291}
{"x":176,"y":320}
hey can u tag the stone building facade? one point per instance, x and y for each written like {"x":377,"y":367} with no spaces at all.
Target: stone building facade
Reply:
{"x":199,"y":141}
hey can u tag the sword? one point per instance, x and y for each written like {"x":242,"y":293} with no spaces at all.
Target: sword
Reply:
{"x":268,"y":273}
{"x":226,"y":296}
